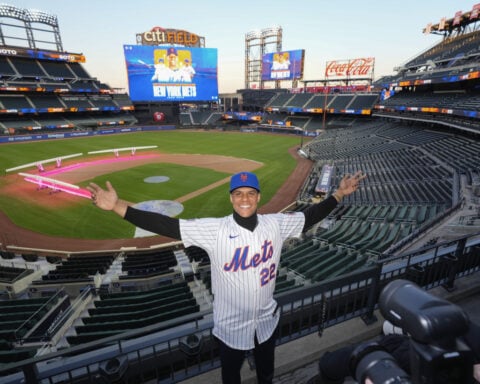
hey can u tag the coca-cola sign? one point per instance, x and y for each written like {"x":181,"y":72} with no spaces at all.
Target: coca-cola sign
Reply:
{"x":362,"y":67}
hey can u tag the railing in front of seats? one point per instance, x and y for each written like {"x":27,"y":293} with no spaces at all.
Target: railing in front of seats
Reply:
{"x":185,"y":347}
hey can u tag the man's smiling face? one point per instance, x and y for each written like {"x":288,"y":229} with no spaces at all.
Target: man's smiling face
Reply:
{"x":245,"y":201}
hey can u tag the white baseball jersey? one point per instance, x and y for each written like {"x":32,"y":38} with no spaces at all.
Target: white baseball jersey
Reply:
{"x":244,"y":266}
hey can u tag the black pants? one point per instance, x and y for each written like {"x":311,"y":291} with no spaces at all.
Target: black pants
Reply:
{"x":232,"y":360}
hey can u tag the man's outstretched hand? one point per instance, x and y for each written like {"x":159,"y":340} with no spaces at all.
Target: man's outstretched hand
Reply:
{"x":105,"y":199}
{"x":349,"y":184}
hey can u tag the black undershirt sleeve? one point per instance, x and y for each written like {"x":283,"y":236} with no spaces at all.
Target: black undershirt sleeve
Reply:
{"x":170,"y":227}
{"x":154,"y":222}
{"x":317,"y":212}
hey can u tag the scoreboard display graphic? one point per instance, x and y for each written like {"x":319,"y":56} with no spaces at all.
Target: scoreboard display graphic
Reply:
{"x":171,"y":73}
{"x":284,"y":65}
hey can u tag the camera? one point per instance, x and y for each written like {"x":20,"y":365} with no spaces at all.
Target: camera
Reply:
{"x":437,"y":352}
{"x":370,"y":360}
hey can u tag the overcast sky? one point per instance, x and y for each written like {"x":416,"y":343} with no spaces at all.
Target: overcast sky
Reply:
{"x":389,"y":31}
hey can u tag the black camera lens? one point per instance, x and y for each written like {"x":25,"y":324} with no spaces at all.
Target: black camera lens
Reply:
{"x":369,"y":360}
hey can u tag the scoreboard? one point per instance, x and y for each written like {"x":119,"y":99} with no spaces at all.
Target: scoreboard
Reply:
{"x":171,"y":73}
{"x":285,"y":65}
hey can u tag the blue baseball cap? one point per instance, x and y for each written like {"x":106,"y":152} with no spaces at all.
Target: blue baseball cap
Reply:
{"x":244,"y":179}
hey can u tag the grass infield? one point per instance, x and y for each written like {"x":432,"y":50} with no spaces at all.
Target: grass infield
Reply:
{"x":81,"y":220}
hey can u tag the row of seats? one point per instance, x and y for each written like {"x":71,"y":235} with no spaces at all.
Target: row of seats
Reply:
{"x":316,"y":262}
{"x":79,"y":268}
{"x":452,"y":57}
{"x":200,"y":117}
{"x":40,"y":69}
{"x":35,"y":103}
{"x":459,"y":100}
{"x":405,"y":189}
{"x":121,"y":311}
{"x":18,"y":316}
{"x":162,"y":292}
{"x":11,"y":274}
{"x":149,"y":263}
{"x":35,"y":88}
{"x":88,"y":333}
{"x":448,"y":48}
{"x":320,"y":101}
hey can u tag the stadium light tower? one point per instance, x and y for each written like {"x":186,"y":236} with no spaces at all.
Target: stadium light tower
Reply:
{"x":29,"y":18}
{"x":257,"y":43}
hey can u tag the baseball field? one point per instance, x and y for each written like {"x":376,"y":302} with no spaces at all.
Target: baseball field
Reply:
{"x":194,"y":165}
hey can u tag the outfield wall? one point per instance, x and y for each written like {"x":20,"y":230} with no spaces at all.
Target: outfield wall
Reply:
{"x":65,"y":135}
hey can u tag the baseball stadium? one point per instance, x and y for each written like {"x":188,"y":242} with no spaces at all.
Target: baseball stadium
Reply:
{"x":88,"y":297}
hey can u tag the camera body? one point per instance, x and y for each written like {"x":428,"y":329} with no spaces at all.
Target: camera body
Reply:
{"x":437,"y":354}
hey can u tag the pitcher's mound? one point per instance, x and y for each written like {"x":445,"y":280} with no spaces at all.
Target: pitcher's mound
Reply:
{"x":165,"y":207}
{"x":156,"y":179}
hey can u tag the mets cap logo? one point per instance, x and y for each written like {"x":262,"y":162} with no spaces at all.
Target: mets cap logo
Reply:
{"x":244,"y":179}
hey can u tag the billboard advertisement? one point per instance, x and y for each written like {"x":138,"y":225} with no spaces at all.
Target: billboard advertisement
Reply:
{"x":168,"y":73}
{"x":285,"y":65}
{"x":359,"y":68}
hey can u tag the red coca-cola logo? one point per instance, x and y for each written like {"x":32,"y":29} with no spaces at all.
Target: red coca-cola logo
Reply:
{"x":356,"y":67}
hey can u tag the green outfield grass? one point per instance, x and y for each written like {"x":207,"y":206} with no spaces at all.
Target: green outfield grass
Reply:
{"x":82,"y":220}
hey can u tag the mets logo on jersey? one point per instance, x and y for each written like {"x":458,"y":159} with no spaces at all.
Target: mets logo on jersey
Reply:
{"x":243,"y":260}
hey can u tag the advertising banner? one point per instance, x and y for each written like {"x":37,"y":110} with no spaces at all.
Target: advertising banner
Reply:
{"x":360,"y":68}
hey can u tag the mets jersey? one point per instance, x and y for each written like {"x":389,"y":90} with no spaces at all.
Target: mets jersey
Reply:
{"x":244,"y":265}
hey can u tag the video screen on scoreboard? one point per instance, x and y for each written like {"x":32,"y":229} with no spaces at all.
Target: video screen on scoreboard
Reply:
{"x":286,"y":65}
{"x":158,"y":73}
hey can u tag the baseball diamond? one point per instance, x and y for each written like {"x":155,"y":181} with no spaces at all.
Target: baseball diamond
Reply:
{"x":22,"y":237}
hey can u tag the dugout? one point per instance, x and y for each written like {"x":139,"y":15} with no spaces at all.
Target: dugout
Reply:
{"x":157,"y":113}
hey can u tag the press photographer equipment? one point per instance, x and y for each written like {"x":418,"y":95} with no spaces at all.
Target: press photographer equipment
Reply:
{"x":438,"y":354}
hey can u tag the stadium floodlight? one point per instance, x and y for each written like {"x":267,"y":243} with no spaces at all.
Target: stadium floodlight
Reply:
{"x":254,"y":34}
{"x":271,"y":31}
{"x":37,"y":16}
{"x":31,"y":15}
{"x":11,"y":11}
